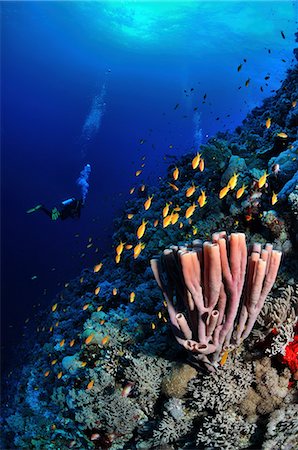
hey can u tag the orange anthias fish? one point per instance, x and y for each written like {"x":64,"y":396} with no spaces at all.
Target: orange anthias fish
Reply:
{"x":132,"y":297}
{"x":97,"y":267}
{"x":62,"y":342}
{"x":155,"y":223}
{"x":176,"y":173}
{"x":137,"y":250}
{"x":71,"y":344}
{"x":190,"y":210}
{"x":233,"y":181}
{"x":119,"y":248}
{"x":240,"y":191}
{"x":202,"y":199}
{"x":86,"y":306}
{"x":262,"y":180}
{"x":141,"y":229}
{"x":89,"y":339}
{"x":128,"y":246}
{"x":54,"y":307}
{"x":96,"y":292}
{"x":190,"y":191}
{"x":173,"y":186}
{"x":132,"y":190}
{"x":138,"y":172}
{"x":223,"y":192}
{"x":274,"y":199}
{"x":202,"y":165}
{"x":282,"y":135}
{"x":224,"y":357}
{"x":165,"y":211}
{"x":117,"y":259}
{"x":130,"y":216}
{"x":90,"y":385}
{"x":195,"y":162}
{"x":114,"y":292}
{"x":268,"y":123}
{"x":105,"y":340}
{"x":167,"y":220}
{"x":175,"y":217}
{"x":147,"y":203}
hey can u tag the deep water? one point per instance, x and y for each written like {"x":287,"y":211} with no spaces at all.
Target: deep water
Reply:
{"x":162,"y":79}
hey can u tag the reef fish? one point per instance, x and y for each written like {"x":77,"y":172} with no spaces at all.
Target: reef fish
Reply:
{"x":223,"y":192}
{"x":147,"y":203}
{"x":190,"y":210}
{"x":137,"y":250}
{"x":196,"y":160}
{"x":202,"y":199}
{"x":262,"y":180}
{"x":274,"y":198}
{"x":240,"y":191}
{"x":141,"y":229}
{"x":176,"y":173}
{"x":268,"y":123}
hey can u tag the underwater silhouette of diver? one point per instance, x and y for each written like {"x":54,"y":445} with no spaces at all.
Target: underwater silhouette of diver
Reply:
{"x":70,"y":208}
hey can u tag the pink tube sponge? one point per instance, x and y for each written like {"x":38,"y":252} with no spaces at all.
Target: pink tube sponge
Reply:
{"x":214,"y":292}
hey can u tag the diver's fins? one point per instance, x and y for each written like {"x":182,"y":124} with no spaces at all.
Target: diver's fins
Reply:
{"x":36,"y":208}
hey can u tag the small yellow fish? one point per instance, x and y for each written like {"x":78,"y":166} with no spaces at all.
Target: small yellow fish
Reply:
{"x":119,"y":248}
{"x":224,"y":191}
{"x":173,"y":186}
{"x":268,"y":122}
{"x":282,"y":135}
{"x":47,"y":373}
{"x":176,"y":173}
{"x":190,"y":191}
{"x":59,"y":375}
{"x":84,"y":363}
{"x":89,"y":339}
{"x":147,"y":203}
{"x":138,"y":172}
{"x":141,"y":229}
{"x":57,"y":323}
{"x":130,"y":216}
{"x":97,"y":267}
{"x":165,"y":319}
{"x":180,"y":225}
{"x":105,"y":340}
{"x":240,"y":191}
{"x":99,"y":308}
{"x":54,"y":307}
{"x":202,"y":165}
{"x":117,"y":259}
{"x":137,"y":250}
{"x":54,"y":362}
{"x":51,"y":329}
{"x":90,"y":385}
{"x":233,"y":181}
{"x":175,"y":217}
{"x":132,"y":190}
{"x":86,"y":306}
{"x":81,"y":280}
{"x":165,"y":211}
{"x":274,"y":198}
{"x":159,"y":315}
{"x":166,"y":221}
{"x":262,"y":180}
{"x":224,"y":358}
{"x":115,"y":291}
{"x":143,"y":187}
{"x":202,"y":200}
{"x":194,"y":230}
{"x":190,"y":210}
{"x":155,"y":223}
{"x":195,"y":162}
{"x":128,"y":246}
{"x":71,"y":344}
{"x":153,"y":326}
{"x":102,"y":322}
{"x":132,"y":297}
{"x":96,"y":292}
{"x":62,"y":343}
{"x":294,"y":103}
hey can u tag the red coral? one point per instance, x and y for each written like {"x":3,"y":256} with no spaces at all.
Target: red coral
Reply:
{"x":291,"y":355}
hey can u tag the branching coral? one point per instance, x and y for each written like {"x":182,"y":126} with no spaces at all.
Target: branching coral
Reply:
{"x":226,"y":430}
{"x":222,"y":300}
{"x":280,"y":422}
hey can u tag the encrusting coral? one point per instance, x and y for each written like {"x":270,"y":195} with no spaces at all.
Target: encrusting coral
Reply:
{"x":222,"y":301}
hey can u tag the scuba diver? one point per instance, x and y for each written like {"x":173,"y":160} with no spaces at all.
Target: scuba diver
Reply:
{"x":70,"y":207}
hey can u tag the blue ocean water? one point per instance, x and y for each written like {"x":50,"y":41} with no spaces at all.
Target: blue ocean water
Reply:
{"x":108,"y":83}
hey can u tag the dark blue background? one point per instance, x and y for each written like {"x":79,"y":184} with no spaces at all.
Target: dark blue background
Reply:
{"x":55,"y":59}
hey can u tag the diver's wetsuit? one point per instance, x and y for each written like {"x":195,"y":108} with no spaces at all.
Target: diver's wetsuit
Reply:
{"x":68,"y":208}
